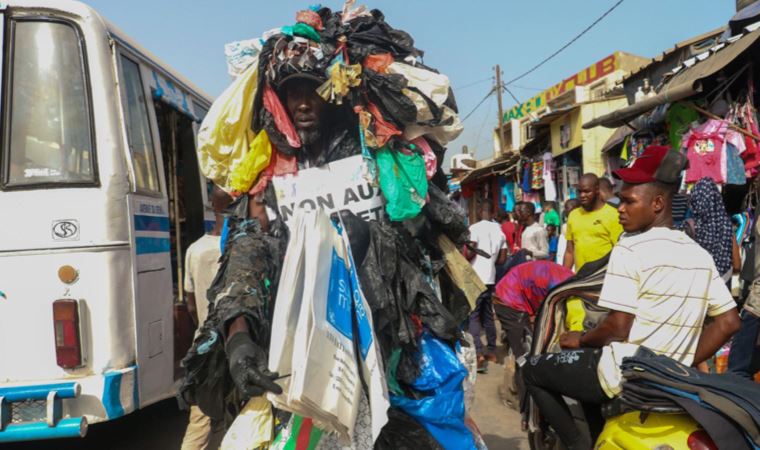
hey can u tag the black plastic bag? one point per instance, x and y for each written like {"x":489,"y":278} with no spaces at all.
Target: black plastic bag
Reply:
{"x":402,"y":432}
{"x":445,"y":217}
{"x":386,"y":91}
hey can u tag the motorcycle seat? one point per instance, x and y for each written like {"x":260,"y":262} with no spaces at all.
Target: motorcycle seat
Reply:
{"x":620,"y":405}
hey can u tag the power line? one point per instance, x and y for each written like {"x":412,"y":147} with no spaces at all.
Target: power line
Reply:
{"x":485,"y":121}
{"x":478,"y":105}
{"x":527,"y":88}
{"x":545,"y":60}
{"x":474,"y":83}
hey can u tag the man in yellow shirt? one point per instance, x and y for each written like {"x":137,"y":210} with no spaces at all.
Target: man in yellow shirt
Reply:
{"x":592,"y":230}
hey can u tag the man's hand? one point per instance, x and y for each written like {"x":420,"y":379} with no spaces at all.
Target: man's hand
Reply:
{"x":248,"y":367}
{"x":528,"y":252}
{"x":570,"y":340}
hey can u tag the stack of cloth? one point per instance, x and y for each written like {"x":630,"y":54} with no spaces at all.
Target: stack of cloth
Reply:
{"x":726,"y":406}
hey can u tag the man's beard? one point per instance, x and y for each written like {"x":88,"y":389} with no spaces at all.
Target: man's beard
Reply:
{"x":310,"y":137}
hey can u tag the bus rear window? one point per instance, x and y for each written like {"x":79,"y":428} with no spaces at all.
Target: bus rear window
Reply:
{"x":49,"y":136}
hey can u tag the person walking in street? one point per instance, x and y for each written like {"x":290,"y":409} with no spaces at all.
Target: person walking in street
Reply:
{"x":486,"y":235}
{"x":659,"y":287}
{"x":593,"y":229}
{"x":519,"y":295}
{"x":535,"y":241}
{"x":511,"y":232}
{"x":201,"y":265}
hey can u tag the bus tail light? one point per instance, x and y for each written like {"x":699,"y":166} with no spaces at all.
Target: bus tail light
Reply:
{"x":68,"y":342}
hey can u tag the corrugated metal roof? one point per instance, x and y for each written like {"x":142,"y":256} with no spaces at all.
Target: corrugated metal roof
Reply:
{"x":686,"y":80}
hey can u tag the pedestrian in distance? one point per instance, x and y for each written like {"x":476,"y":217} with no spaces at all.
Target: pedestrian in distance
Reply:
{"x":593,"y":229}
{"x":486,"y":235}
{"x":535,"y":241}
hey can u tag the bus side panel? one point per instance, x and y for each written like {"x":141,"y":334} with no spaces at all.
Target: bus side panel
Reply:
{"x":154,"y":299}
{"x":30,"y":285}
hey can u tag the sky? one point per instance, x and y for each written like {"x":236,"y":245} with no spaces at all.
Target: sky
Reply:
{"x":463,"y":40}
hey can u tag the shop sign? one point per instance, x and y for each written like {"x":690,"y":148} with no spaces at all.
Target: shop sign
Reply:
{"x":588,"y":75}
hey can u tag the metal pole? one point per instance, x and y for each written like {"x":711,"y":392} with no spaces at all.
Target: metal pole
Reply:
{"x":175,"y":194}
{"x":501,"y":109}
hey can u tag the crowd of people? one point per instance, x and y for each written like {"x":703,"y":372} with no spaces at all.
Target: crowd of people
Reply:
{"x":667,"y":285}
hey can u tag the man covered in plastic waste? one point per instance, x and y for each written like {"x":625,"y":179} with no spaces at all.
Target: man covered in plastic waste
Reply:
{"x":336,"y":86}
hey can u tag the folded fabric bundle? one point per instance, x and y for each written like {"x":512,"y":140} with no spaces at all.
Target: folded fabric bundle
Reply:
{"x":734,"y":398}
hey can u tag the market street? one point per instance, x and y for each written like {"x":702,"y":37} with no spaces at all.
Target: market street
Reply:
{"x":346,"y":225}
{"x":161,"y":426}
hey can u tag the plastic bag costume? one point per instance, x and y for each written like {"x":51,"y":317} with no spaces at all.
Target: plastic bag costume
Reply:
{"x":384,"y":98}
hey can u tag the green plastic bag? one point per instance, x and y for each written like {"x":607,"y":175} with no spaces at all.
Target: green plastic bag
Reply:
{"x":403,"y":183}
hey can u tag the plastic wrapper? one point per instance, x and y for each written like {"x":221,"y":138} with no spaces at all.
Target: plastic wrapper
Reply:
{"x":241,"y":55}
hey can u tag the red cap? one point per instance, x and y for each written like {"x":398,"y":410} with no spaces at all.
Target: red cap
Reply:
{"x":644,"y":167}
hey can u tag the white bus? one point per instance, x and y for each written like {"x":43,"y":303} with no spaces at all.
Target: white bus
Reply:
{"x":100,"y":194}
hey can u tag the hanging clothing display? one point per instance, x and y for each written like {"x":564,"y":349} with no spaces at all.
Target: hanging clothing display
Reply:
{"x":704,"y":148}
{"x":680,"y":118}
{"x":550,"y":189}
{"x":507,"y":197}
{"x":526,"y":178}
{"x":537,"y":175}
{"x":712,"y":226}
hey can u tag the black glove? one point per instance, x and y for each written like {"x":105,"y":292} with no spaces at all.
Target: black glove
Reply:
{"x":248,"y":367}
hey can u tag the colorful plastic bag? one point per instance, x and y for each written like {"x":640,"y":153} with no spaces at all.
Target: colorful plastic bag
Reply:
{"x":225,"y":135}
{"x":403,"y":182}
{"x":255,"y":161}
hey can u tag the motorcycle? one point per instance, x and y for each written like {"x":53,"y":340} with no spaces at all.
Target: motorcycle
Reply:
{"x":625,"y":428}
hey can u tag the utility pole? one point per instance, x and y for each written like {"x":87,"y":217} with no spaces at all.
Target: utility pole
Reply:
{"x":501,"y":109}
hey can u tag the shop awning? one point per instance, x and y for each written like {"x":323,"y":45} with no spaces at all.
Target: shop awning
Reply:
{"x":617,"y":138}
{"x":686,"y":82}
{"x":550,"y":117}
{"x":503,"y":166}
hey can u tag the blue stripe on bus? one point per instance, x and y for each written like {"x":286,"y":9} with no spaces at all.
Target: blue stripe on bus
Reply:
{"x":146,"y":245}
{"x":151,"y":223}
{"x":112,"y":395}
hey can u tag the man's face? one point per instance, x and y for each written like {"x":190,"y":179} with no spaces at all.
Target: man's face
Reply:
{"x":588,"y":192}
{"x":522,"y":215}
{"x":637,"y":207}
{"x":306,"y":109}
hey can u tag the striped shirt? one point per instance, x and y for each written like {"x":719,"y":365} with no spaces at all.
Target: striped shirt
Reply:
{"x":669,"y":283}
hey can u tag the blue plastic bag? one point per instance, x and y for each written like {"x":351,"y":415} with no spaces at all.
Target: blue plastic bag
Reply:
{"x":442,"y":413}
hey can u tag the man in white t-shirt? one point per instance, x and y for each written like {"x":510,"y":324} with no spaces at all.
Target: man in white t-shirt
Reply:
{"x":535,"y":241}
{"x":201,"y":265}
{"x":486,"y":235}
{"x":659,"y":287}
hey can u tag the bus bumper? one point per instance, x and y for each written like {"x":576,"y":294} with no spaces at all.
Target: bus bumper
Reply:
{"x":36,"y":412}
{"x":49,"y":395}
